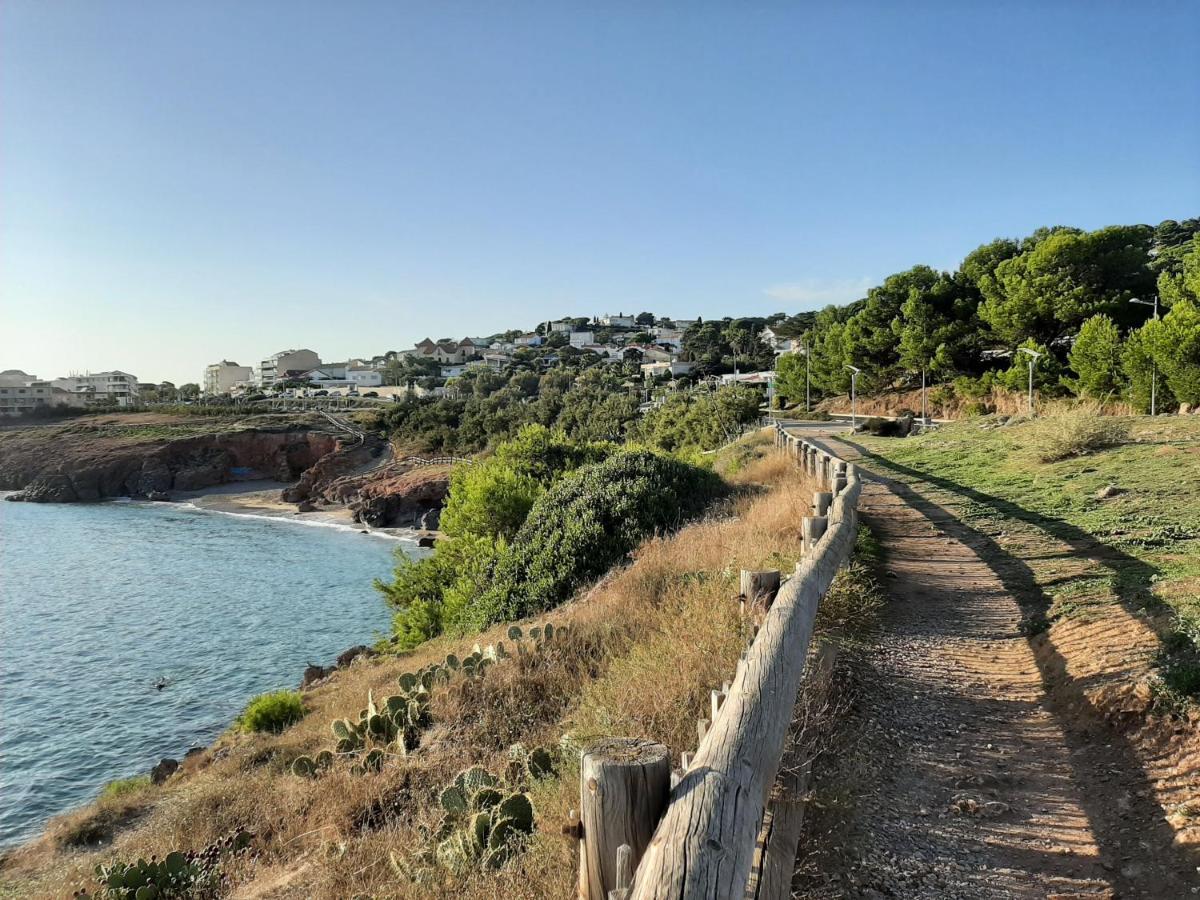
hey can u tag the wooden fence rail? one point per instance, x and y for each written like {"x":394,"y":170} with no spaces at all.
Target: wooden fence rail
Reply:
{"x":705,"y":845}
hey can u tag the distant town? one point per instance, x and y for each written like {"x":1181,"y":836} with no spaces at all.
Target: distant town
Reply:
{"x":427,"y":369}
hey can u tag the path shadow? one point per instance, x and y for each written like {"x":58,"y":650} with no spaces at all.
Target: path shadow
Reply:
{"x":1125,"y":819}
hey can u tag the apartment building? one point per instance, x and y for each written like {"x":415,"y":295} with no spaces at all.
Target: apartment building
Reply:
{"x":223,"y":376}
{"x":277,"y":366}
{"x":101,"y":388}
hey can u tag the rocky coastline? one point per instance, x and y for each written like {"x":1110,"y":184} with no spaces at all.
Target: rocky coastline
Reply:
{"x":323,"y":471}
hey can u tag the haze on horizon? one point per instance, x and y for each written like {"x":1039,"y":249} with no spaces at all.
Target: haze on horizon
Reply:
{"x":186,"y":182}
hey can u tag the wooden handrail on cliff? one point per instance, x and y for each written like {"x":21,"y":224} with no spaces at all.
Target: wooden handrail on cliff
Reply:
{"x":417,"y":462}
{"x":707,"y":842}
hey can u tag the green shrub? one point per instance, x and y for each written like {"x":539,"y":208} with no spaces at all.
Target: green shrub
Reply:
{"x":703,"y":421}
{"x":587,"y":522}
{"x":124,"y":786}
{"x":272,"y":712}
{"x":1077,"y":431}
{"x":881,"y":427}
{"x":1096,"y":358}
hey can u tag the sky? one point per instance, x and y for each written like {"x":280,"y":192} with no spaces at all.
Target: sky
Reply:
{"x":199,"y":180}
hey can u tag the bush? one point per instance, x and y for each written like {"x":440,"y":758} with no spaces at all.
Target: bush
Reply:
{"x":122,"y":787}
{"x":881,"y":427}
{"x":586,"y":523}
{"x":272,"y":712}
{"x":1076,"y":431}
{"x":1096,"y":358}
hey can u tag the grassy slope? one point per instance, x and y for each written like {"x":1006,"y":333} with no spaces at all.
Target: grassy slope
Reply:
{"x":647,"y":644}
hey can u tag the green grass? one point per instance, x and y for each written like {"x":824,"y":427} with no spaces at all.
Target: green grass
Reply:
{"x":1144,"y":542}
{"x":124,"y":786}
{"x":272,"y":712}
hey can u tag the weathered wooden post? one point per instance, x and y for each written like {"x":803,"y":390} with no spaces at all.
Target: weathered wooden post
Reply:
{"x":624,"y":787}
{"x":718,"y":699}
{"x":812,"y":528}
{"x":839,"y":483}
{"x":760,"y":587}
{"x":624,"y":874}
{"x":821,"y":501}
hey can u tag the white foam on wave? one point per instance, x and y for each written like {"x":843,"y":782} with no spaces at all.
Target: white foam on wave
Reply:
{"x":296,"y":520}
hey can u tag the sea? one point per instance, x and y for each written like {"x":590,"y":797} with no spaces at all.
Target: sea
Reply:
{"x":101,"y":603}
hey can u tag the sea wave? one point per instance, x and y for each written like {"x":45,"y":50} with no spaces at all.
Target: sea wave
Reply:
{"x":296,"y":520}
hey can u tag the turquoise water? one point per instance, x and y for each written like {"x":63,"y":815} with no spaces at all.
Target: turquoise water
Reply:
{"x":100,"y":601}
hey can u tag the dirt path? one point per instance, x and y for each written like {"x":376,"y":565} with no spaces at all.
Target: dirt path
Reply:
{"x":965,"y":777}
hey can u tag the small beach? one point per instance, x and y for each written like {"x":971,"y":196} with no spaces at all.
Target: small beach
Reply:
{"x":261,"y":499}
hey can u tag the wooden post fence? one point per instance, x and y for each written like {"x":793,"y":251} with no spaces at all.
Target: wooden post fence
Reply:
{"x":699,"y":838}
{"x":624,"y":785}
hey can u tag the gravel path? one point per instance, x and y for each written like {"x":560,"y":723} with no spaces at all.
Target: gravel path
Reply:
{"x":966,"y":779}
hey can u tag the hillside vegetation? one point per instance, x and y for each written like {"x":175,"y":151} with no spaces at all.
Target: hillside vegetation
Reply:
{"x":1084,"y":301}
{"x":529,"y":524}
{"x":314,"y":811}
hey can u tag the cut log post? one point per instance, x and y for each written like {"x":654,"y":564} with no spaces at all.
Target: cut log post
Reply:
{"x":717,"y":698}
{"x":685,"y":760}
{"x":821,"y":501}
{"x":760,"y":588}
{"x":839,"y":483}
{"x":624,"y":787}
{"x":774,"y":866}
{"x":624,"y":874}
{"x":701,"y":731}
{"x":812,"y":528}
{"x":705,"y":846}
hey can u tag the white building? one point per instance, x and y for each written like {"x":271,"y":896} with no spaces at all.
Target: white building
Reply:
{"x":101,"y":388}
{"x":277,"y":366}
{"x":620,"y":320}
{"x":670,"y":336}
{"x":22,"y":393}
{"x":341,"y":375}
{"x":654,"y":369}
{"x":562,"y":327}
{"x":529,"y":340}
{"x":224,"y":376}
{"x":582,"y":338}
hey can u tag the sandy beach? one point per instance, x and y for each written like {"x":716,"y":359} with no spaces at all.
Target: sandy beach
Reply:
{"x":261,"y":499}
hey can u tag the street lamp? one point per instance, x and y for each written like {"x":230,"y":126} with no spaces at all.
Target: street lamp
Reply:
{"x":924,"y":407}
{"x":1034,"y":356}
{"x":854,"y":373}
{"x":807,"y":378}
{"x":1153,"y":361}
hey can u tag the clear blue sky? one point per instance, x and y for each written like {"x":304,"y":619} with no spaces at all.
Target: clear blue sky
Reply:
{"x":186,"y":181}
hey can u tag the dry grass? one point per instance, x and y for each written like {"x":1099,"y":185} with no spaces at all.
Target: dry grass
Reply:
{"x":997,"y":401}
{"x":1065,"y":430}
{"x":646,"y":645}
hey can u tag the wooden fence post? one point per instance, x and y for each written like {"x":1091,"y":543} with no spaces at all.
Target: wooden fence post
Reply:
{"x":821,"y":502}
{"x":812,"y":528}
{"x":839,"y":483}
{"x":624,"y":874}
{"x":624,"y":787}
{"x":760,"y":586}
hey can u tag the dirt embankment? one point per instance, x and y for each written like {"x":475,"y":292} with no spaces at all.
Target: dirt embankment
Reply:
{"x":379,"y":491}
{"x":94,"y":460}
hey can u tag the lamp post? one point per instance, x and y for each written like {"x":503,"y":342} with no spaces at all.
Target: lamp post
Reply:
{"x":1153,"y":361}
{"x":924,"y":408}
{"x":854,"y":372}
{"x":807,"y":378}
{"x":1034,"y":356}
